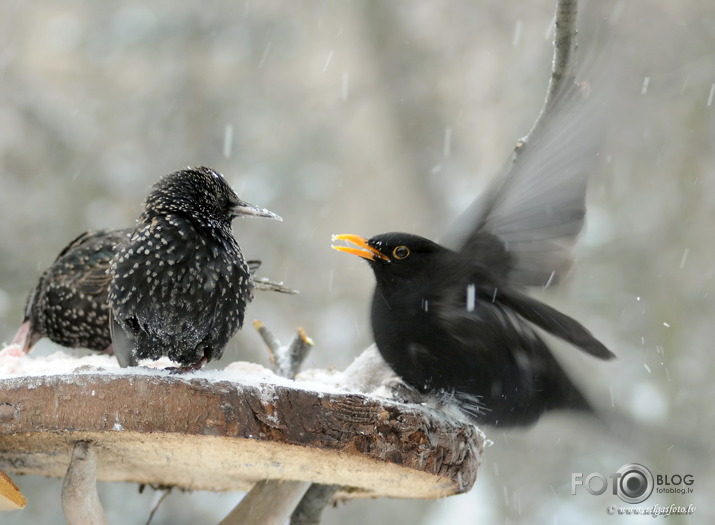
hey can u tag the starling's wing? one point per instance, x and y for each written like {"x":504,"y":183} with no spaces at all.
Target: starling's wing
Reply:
{"x":89,"y":257}
{"x":535,"y":209}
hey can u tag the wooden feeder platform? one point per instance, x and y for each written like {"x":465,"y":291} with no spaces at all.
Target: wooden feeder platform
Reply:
{"x":220,"y":435}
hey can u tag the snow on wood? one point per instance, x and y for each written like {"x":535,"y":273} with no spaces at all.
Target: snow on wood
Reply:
{"x":226,"y":429}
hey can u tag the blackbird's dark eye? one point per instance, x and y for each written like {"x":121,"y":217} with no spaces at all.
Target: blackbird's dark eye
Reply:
{"x":400,"y":252}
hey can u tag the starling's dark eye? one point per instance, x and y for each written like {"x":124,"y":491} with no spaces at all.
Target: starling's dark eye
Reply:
{"x":400,"y":252}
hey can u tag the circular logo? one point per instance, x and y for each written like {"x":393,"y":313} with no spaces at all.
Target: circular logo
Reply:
{"x":635,"y":484}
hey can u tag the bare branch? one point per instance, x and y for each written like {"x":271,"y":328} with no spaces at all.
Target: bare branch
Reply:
{"x":311,"y":506}
{"x":269,"y":502}
{"x":80,"y":501}
{"x":562,"y":67}
{"x":290,"y":359}
{"x":272,"y":343}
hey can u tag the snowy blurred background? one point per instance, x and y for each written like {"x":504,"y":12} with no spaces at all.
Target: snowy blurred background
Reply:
{"x":365,"y":117}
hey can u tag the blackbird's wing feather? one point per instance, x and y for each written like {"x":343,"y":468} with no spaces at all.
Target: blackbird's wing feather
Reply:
{"x":554,"y":322}
{"x":506,"y":363}
{"x":536,"y":207}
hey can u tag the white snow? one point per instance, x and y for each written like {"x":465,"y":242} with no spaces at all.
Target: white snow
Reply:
{"x":368,"y":375}
{"x":16,"y":364}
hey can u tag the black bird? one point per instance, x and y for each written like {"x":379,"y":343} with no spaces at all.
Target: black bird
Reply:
{"x":180,"y":285}
{"x":69,"y":303}
{"x":451,"y":325}
{"x":454,"y":322}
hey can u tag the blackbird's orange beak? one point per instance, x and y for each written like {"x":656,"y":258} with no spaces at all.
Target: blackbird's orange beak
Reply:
{"x":363,"y":249}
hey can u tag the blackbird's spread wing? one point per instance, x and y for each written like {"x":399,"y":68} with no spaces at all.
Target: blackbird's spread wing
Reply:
{"x":554,"y":322}
{"x":526,"y":222}
{"x":499,"y":360}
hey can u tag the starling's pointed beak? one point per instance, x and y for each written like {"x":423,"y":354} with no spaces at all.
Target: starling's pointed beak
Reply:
{"x":244,"y":209}
{"x":363,"y":249}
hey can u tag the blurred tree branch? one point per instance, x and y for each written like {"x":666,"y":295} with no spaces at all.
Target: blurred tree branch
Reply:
{"x":563,"y":65}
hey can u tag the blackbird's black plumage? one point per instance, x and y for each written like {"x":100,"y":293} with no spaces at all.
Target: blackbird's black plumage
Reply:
{"x":452,"y":318}
{"x":69,"y":303}
{"x":180,"y":285}
{"x":448,"y":324}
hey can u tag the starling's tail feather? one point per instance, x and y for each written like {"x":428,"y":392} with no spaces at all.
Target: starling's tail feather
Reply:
{"x":554,"y":322}
{"x":121,"y":344}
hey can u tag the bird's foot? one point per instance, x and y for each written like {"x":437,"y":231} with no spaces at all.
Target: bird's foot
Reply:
{"x":187,"y":368}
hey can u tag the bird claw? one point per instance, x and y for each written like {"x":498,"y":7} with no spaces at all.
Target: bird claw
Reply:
{"x":187,"y":368}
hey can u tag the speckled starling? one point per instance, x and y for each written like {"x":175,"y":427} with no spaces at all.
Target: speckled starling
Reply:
{"x":69,"y":303}
{"x":180,"y":285}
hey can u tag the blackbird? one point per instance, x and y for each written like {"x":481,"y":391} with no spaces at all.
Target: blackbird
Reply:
{"x":451,"y":325}
{"x":69,"y":303}
{"x":180,"y":285}
{"x":451,"y":319}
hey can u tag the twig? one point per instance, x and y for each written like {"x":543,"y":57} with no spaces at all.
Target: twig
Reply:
{"x":311,"y":506}
{"x":156,"y":507}
{"x":80,"y":501}
{"x":562,"y":66}
{"x":271,"y":341}
{"x":290,"y":359}
{"x":287,"y":360}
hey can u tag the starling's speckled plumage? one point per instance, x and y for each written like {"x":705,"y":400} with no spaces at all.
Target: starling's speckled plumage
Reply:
{"x":180,"y":285}
{"x":69,"y":303}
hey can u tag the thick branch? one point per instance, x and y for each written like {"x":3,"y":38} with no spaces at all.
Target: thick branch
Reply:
{"x":311,"y":506}
{"x":80,"y":501}
{"x":269,"y":502}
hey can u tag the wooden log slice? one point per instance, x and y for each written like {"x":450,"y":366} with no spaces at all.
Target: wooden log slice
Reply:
{"x":202,"y":434}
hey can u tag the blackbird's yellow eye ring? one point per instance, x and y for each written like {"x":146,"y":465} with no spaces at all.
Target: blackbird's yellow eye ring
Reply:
{"x":400,"y":252}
